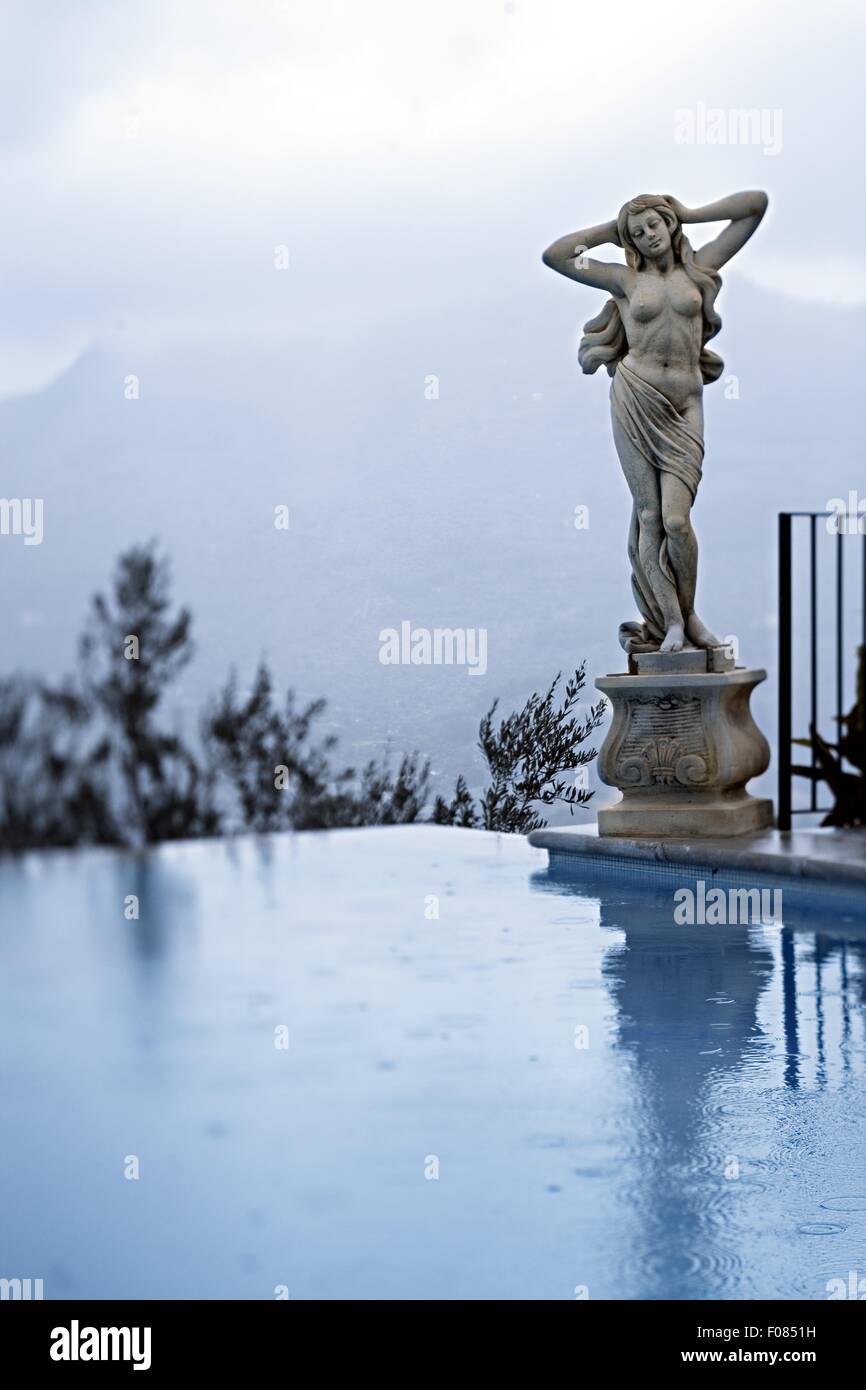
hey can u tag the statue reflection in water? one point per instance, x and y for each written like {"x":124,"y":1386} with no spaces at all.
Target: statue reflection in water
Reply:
{"x":724,"y":1027}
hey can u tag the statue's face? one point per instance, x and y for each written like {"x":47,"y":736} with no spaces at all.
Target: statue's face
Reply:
{"x":649,"y":232}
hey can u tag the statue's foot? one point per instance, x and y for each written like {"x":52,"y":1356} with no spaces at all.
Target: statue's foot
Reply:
{"x":699,"y":634}
{"x":674,"y":639}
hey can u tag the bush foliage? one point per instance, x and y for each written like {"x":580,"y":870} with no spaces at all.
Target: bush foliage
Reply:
{"x":88,"y":761}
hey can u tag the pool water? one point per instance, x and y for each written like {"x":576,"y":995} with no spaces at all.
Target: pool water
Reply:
{"x":417,"y":1063}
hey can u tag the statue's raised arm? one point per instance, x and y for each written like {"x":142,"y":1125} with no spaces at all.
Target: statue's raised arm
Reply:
{"x":745,"y":211}
{"x":568,"y":257}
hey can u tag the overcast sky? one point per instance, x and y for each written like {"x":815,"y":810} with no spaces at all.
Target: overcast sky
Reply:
{"x":153,"y":154}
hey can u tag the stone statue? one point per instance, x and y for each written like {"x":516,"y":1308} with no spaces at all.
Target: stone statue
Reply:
{"x":682,"y":744}
{"x":652,"y":336}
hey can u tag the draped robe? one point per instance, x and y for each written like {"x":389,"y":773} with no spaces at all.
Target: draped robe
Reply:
{"x":657,"y":430}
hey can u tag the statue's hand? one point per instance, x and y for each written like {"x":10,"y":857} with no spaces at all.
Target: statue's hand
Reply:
{"x":679,"y":208}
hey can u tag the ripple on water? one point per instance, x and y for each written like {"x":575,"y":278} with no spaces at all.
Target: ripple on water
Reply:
{"x":717,"y":1104}
{"x":820,"y":1228}
{"x":766,"y":1165}
{"x":712,"y":1270}
{"x":744,"y":1187}
{"x":856,"y":1203}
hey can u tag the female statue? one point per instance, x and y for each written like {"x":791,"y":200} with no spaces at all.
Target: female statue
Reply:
{"x":652,"y":336}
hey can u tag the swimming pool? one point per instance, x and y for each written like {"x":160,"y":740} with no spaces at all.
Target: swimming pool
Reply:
{"x":416,"y":1063}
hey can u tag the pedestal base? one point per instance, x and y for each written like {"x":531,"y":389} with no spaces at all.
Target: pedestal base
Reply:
{"x":681,"y":748}
{"x":682,"y":818}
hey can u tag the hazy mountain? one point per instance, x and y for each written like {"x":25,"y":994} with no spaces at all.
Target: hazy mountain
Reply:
{"x":450,"y":512}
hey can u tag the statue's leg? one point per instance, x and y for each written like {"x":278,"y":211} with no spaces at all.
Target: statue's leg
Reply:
{"x":682,"y":541}
{"x":683,"y":555}
{"x":643,"y":482}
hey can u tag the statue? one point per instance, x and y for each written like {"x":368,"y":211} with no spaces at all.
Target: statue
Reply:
{"x":682,"y":744}
{"x":652,"y":336}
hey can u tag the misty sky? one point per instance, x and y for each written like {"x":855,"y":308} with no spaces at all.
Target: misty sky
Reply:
{"x":154,"y":153}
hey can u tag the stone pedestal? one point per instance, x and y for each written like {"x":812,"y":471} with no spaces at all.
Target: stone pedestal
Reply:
{"x":681,"y":748}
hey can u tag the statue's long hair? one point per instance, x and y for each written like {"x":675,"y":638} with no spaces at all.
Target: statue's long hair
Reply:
{"x":604,"y":341}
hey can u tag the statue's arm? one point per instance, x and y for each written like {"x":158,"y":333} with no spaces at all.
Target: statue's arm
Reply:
{"x":567,"y":256}
{"x":745,"y":211}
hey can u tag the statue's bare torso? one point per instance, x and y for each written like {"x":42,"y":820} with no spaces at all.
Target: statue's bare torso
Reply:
{"x":661,"y":315}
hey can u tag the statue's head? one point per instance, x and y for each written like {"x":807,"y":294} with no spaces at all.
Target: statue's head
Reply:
{"x":648,"y":229}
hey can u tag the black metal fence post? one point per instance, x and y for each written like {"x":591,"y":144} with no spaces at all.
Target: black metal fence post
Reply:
{"x":840,"y":525}
{"x":784,"y":815}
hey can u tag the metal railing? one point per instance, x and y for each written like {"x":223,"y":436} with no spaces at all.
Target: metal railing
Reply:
{"x":786,"y":638}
